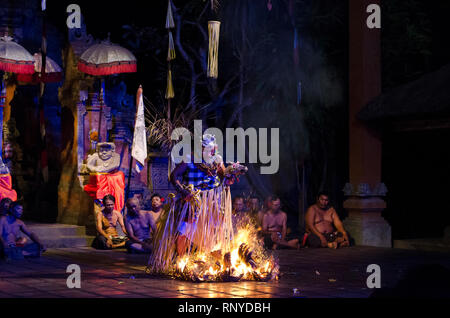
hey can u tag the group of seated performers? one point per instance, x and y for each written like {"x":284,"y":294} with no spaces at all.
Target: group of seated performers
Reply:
{"x":203,"y":192}
{"x":323,"y":225}
{"x":137,"y":226}
{"x":202,"y":202}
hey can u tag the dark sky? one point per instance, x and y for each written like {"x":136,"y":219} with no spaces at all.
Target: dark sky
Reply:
{"x":103,"y":16}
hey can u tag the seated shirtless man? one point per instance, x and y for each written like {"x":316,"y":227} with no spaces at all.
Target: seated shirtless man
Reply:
{"x":4,"y":206}
{"x":274,"y":227}
{"x":106,"y":224}
{"x":139,"y":224}
{"x":255,"y":211}
{"x":157,"y":206}
{"x":14,"y":243}
{"x":323,"y":226}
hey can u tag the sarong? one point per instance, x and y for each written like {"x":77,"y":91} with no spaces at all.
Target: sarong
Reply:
{"x":109,"y":183}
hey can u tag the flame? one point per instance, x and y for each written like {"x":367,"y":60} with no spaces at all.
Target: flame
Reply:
{"x":246,"y":260}
{"x":182,"y":263}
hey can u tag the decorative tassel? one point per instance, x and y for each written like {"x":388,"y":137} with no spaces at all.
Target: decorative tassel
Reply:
{"x":213,"y":54}
{"x":169,"y":91}
{"x":171,"y":53}
{"x":169,"y":19}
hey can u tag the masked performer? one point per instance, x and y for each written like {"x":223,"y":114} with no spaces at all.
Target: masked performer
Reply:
{"x":199,"y":219}
{"x":104,"y":175}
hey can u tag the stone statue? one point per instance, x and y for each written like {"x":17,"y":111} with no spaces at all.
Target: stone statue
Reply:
{"x":105,"y":160}
{"x":104,"y":175}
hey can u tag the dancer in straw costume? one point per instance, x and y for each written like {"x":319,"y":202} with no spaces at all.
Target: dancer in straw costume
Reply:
{"x":198,"y":220}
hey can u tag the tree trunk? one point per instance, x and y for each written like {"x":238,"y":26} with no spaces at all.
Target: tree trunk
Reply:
{"x":74,"y":205}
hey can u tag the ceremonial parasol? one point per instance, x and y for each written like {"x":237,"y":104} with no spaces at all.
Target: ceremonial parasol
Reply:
{"x":15,"y":58}
{"x":53,"y":72}
{"x":107,"y":59}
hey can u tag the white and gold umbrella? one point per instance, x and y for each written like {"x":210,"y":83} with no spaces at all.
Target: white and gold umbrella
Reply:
{"x":107,"y":59}
{"x":15,"y":58}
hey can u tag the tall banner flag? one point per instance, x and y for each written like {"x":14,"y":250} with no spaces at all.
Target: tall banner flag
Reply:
{"x":139,"y":147}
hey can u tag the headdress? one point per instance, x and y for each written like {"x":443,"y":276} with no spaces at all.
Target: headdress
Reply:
{"x":208,"y":140}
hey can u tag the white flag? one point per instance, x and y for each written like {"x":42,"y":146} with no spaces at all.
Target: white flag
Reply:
{"x":139,"y":147}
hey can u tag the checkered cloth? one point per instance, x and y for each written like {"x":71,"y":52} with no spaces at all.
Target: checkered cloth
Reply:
{"x":200,"y":179}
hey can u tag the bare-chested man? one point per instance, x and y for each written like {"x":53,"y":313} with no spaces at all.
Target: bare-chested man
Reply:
{"x":274,"y":227}
{"x":255,"y":210}
{"x":106,"y":224}
{"x":323,"y":225}
{"x":238,"y":212}
{"x":139,"y":224}
{"x":5,"y":203}
{"x":157,"y":207}
{"x":12,"y":240}
{"x":238,"y":205}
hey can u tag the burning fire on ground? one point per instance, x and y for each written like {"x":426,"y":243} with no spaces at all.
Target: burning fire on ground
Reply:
{"x":246,"y":260}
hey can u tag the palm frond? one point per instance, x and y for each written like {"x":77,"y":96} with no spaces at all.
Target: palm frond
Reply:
{"x":160,"y":127}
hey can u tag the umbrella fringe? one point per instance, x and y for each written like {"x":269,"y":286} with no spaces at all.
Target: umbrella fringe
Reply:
{"x":107,"y":69}
{"x":14,"y":67}
{"x":35,"y":78}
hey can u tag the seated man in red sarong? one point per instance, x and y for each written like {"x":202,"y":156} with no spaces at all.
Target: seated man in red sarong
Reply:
{"x":6,"y":190}
{"x":105,"y":178}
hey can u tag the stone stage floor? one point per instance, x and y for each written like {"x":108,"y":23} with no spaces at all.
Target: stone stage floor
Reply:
{"x":313,"y":272}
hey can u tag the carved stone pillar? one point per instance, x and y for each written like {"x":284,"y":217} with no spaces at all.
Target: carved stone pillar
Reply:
{"x":364,"y":221}
{"x":122,"y":135}
{"x":159,"y":181}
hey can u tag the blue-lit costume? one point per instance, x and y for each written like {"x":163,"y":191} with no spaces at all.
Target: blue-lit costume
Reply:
{"x":199,"y":178}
